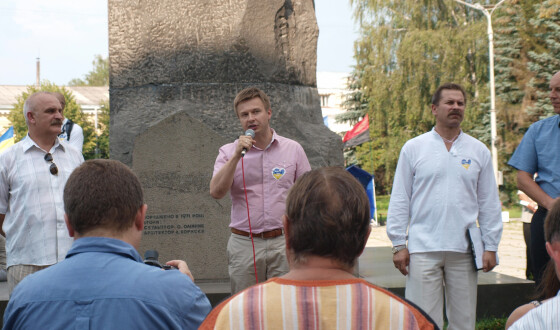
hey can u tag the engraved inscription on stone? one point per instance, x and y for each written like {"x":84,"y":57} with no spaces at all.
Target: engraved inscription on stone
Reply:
{"x":183,"y":220}
{"x":172,"y":224}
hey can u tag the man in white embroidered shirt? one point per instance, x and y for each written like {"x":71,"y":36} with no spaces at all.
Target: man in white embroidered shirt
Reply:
{"x":33,"y":173}
{"x":443,"y":184}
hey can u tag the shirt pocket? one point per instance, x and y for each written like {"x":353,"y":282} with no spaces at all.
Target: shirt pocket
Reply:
{"x":283,"y":174}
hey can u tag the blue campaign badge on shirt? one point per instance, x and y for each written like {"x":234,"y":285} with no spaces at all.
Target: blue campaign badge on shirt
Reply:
{"x":466,"y":163}
{"x":277,"y":173}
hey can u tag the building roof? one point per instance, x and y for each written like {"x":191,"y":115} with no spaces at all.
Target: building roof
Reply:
{"x":85,"y":95}
{"x":335,"y":81}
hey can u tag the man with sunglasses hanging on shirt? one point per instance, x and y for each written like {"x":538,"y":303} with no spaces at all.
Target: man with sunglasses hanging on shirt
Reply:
{"x":272,"y":165}
{"x":33,"y":173}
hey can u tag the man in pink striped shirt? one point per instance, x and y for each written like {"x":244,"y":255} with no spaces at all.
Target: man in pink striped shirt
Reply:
{"x":271,"y":166}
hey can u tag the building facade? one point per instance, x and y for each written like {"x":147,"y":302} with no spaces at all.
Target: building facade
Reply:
{"x":333,"y":90}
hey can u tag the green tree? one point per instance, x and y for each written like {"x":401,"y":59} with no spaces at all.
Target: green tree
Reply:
{"x":72,"y":111}
{"x":544,"y":62}
{"x":355,"y":103}
{"x":99,"y":76}
{"x":356,"y":108}
{"x":405,"y":51}
{"x":103,"y":138}
{"x":514,"y":39}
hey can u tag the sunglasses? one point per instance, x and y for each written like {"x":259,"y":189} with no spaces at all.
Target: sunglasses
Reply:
{"x":53,"y":168}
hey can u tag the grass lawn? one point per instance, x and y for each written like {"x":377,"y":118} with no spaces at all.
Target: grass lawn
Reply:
{"x":491,"y":324}
{"x":514,"y":212}
{"x":382,"y":202}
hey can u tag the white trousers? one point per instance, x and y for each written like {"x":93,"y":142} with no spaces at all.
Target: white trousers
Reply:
{"x":431,"y":274}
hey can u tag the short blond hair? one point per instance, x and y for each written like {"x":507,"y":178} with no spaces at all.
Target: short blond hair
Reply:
{"x":249,"y":94}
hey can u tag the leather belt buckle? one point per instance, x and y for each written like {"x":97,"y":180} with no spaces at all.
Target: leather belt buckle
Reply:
{"x":263,"y":235}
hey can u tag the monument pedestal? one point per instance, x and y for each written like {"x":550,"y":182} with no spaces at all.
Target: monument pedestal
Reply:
{"x":175,"y":69}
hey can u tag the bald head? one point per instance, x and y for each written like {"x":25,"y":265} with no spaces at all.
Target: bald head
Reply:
{"x":555,"y":92}
{"x":43,"y":116}
{"x":32,"y":101}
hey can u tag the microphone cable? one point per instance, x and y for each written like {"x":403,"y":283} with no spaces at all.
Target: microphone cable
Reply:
{"x":249,"y":219}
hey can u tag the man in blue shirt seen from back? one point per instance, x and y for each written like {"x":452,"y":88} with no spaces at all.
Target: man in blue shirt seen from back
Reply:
{"x":538,"y":153}
{"x":103,"y":283}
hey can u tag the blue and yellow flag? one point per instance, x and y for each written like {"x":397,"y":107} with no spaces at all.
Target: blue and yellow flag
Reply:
{"x":7,"y":139}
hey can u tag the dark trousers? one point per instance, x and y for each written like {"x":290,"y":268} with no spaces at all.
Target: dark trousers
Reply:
{"x":527,"y":238}
{"x":538,"y":244}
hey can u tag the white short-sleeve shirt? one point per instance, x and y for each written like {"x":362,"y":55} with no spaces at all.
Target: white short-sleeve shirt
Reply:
{"x":31,"y":199}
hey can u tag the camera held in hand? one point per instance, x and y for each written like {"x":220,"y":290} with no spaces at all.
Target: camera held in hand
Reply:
{"x":151,"y":258}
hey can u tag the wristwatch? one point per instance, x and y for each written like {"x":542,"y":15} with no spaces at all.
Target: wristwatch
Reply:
{"x":398,"y":248}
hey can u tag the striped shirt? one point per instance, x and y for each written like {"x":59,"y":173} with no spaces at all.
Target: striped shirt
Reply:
{"x":31,"y":199}
{"x":338,"y":304}
{"x":545,"y":316}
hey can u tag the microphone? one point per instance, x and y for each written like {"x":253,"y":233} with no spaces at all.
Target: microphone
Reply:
{"x":250,"y":133}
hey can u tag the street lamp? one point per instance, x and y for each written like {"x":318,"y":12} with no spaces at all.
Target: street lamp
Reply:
{"x":488,"y":14}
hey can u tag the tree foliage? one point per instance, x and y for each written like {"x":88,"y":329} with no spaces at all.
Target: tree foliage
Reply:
{"x":99,"y":76}
{"x":104,"y":123}
{"x":405,"y":51}
{"x":357,"y":107}
{"x":527,"y":48}
{"x":408,"y":48}
{"x":544,"y":60}
{"x":72,"y":111}
{"x":514,"y":38}
{"x":356,"y":103}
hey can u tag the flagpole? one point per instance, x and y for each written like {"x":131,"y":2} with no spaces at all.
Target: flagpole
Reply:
{"x":373,"y":179}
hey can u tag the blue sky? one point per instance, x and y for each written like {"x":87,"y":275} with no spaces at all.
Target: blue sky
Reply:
{"x":337,"y":33}
{"x":67,"y":34}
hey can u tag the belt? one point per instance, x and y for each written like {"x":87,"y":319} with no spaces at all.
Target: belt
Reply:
{"x":265,"y":234}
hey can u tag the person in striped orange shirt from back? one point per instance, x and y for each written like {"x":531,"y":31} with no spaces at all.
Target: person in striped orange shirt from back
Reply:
{"x":326,"y":228}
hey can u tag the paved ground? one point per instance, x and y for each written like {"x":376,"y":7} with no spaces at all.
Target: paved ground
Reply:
{"x":511,"y":251}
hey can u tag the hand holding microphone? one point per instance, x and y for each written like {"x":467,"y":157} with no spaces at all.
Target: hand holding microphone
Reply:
{"x":250,"y":133}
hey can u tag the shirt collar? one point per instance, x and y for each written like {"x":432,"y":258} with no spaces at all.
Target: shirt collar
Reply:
{"x":439,"y":136}
{"x":28,"y":143}
{"x":104,"y":245}
{"x":274,"y":138}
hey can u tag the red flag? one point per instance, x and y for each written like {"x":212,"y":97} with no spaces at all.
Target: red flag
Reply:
{"x":358,"y":134}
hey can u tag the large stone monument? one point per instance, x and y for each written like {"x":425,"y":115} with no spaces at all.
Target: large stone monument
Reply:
{"x":175,"y":68}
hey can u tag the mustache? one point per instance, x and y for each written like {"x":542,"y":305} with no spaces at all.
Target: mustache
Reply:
{"x":56,"y":122}
{"x":455,"y":113}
